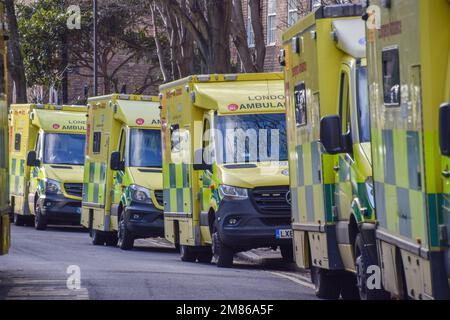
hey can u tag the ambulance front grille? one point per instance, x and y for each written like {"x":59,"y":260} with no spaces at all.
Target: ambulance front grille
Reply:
{"x":159,"y":197}
{"x":272,"y":200}
{"x":74,"y":189}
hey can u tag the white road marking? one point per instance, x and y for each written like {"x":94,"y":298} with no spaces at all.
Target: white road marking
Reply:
{"x":37,"y":289}
{"x":297,"y":279}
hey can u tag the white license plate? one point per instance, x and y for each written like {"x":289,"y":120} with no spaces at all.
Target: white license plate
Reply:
{"x":284,"y":234}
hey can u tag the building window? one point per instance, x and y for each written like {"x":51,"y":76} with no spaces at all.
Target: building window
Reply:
{"x":250,"y":33}
{"x":292,"y":12}
{"x":271,"y":21}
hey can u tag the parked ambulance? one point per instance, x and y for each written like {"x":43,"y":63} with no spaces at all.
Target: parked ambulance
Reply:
{"x":329,"y":142}
{"x":46,"y":163}
{"x":4,"y":192}
{"x":122,"y":194}
{"x":408,"y":51}
{"x":226,"y":179}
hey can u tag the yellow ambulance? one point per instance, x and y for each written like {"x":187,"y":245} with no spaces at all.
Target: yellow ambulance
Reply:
{"x":122,"y":194}
{"x":324,"y":56}
{"x":226,"y":179}
{"x":408,"y":51}
{"x":4,"y":192}
{"x":46,"y":163}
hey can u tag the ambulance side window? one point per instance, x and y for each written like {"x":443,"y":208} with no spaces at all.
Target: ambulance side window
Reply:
{"x":122,"y":144}
{"x":2,"y":75}
{"x":175,"y":138}
{"x":17,"y":141}
{"x":38,"y":146}
{"x":391,"y":77}
{"x":300,"y":104}
{"x":97,"y":142}
{"x":207,"y":143}
{"x":344,"y":103}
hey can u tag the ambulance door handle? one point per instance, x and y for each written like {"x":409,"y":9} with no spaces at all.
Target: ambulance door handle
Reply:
{"x":336,"y":168}
{"x":446,"y":174}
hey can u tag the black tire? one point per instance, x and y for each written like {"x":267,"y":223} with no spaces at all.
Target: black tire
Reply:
{"x":287,"y":252}
{"x":112,"y":240}
{"x":125,"y":237}
{"x":222,"y":252}
{"x":40,"y":222}
{"x":19,"y":220}
{"x":349,"y":288}
{"x":363,"y":261}
{"x":205,"y":256}
{"x":187,"y":254}
{"x":98,"y":238}
{"x":326,"y":284}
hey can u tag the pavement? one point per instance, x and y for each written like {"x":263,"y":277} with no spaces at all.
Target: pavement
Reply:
{"x":62,"y":263}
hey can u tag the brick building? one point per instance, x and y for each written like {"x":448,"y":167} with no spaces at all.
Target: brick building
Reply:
{"x":276,"y":16}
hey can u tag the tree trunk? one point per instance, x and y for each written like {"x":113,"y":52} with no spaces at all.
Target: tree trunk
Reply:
{"x":239,"y":35}
{"x":15,"y":61}
{"x":260,"y":44}
{"x":159,"y":50}
{"x":219,"y":18}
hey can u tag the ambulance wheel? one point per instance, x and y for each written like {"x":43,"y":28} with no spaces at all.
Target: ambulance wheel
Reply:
{"x":363,"y":261}
{"x":98,"y":238}
{"x":19,"y":220}
{"x":40,"y":222}
{"x":287,"y":252}
{"x":112,"y":240}
{"x":205,"y":256}
{"x":326,"y":284}
{"x":349,"y":288}
{"x":222,"y":252}
{"x":125,"y":238}
{"x":187,"y":254}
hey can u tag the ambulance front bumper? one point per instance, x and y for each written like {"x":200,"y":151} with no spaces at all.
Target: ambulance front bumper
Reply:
{"x":144,"y":220}
{"x":242,"y":227}
{"x":60,"y":210}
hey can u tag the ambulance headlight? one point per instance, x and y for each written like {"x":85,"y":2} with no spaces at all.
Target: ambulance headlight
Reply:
{"x":52,"y":186}
{"x":140,"y":194}
{"x":233,"y":192}
{"x":370,"y":192}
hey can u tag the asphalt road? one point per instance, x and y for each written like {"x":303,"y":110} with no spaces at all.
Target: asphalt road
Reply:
{"x":37,"y":268}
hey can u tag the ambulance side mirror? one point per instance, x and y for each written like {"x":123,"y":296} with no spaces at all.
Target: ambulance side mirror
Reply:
{"x":444,"y":129}
{"x":115,"y":163}
{"x":32,"y":160}
{"x":331,"y":135}
{"x":199,"y":162}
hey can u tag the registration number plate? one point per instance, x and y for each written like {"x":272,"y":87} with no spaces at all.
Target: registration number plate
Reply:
{"x":284,"y":234}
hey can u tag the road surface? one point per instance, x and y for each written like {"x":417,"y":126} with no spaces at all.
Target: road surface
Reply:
{"x":39,"y":261}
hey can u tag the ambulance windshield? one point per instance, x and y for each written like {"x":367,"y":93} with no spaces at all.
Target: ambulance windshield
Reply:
{"x":63,"y":148}
{"x":363,"y":104}
{"x":251,"y":138}
{"x":145,"y":148}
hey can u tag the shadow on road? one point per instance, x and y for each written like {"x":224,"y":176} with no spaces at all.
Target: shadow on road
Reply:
{"x":57,"y":228}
